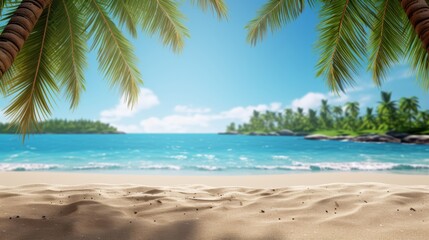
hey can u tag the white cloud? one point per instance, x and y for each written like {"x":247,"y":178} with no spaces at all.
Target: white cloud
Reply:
{"x":196,"y":121}
{"x":188,"y":109}
{"x":2,"y":116}
{"x":147,"y":100}
{"x":309,"y":100}
{"x":406,"y":74}
{"x":244,"y":113}
{"x":177,"y":124}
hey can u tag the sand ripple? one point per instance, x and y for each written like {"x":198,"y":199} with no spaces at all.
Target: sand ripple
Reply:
{"x":335,"y":211}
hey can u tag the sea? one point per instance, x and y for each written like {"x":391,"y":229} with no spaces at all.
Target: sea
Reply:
{"x":205,"y":154}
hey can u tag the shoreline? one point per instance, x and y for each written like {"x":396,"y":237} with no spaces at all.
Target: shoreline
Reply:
{"x":255,"y":181}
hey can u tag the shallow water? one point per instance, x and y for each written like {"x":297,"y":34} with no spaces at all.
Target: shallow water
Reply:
{"x":205,"y":154}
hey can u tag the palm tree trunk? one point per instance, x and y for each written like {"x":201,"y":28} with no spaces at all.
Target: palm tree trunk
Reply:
{"x":18,"y":29}
{"x":418,"y":14}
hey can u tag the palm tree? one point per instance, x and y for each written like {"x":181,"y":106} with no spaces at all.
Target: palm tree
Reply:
{"x":312,"y":119}
{"x":369,"y":121}
{"x":56,"y":33}
{"x":352,"y":110}
{"x":325,"y":112}
{"x":390,"y":30}
{"x":423,"y":119}
{"x":387,"y":111}
{"x":410,"y":108}
{"x":338,"y":114}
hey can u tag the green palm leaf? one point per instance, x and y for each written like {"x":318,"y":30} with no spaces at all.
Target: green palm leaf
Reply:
{"x":71,"y":48}
{"x":164,"y":18}
{"x":417,"y":56}
{"x":273,"y":15}
{"x":34,"y":84}
{"x":217,"y":6}
{"x":122,"y":10}
{"x":115,"y":53}
{"x":387,"y":38}
{"x":342,"y":41}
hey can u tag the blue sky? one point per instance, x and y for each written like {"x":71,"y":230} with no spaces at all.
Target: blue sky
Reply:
{"x":219,"y":77}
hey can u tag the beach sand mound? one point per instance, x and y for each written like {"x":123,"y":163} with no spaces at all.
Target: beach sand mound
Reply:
{"x":334,"y":211}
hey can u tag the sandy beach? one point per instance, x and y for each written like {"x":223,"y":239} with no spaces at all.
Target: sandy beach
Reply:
{"x":296,"y":206}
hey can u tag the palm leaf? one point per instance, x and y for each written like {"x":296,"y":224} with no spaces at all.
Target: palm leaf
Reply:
{"x":387,"y":38}
{"x":217,"y":6}
{"x":71,"y":48}
{"x":342,"y":41}
{"x":273,"y":15}
{"x":122,"y":11}
{"x":417,"y":56}
{"x":34,"y":84}
{"x":115,"y":53}
{"x":164,"y":18}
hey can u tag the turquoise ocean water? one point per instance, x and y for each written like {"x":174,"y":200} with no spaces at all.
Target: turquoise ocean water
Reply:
{"x":205,"y":154}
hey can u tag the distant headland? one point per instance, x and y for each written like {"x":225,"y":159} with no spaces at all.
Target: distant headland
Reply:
{"x":399,"y":121}
{"x":60,"y":126}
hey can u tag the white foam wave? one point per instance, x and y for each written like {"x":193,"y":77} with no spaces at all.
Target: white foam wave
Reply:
{"x":345,"y":166}
{"x":160,"y":167}
{"x":280,"y":157}
{"x":207,"y":156}
{"x":27,"y":166}
{"x":179,"y":157}
{"x":96,"y":165}
{"x":209,"y":168}
{"x":283,"y":167}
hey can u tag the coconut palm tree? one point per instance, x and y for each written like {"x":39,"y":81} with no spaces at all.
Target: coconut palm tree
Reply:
{"x":390,"y":30}
{"x":352,"y":110}
{"x":312,"y":119}
{"x":409,"y":107}
{"x":338,"y":115}
{"x":369,"y":121}
{"x":387,"y":111}
{"x":325,"y":114}
{"x":56,"y":33}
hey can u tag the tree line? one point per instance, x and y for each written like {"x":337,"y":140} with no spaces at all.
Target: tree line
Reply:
{"x":64,"y":126}
{"x":403,"y":115}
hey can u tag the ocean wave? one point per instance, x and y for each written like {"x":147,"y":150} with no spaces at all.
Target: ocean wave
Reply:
{"x":360,"y":166}
{"x":209,"y":168}
{"x":207,"y":156}
{"x":27,"y":166}
{"x":282,"y":167}
{"x":280,"y":157}
{"x":345,"y":166}
{"x":179,"y":157}
{"x":96,"y":165}
{"x":160,"y":167}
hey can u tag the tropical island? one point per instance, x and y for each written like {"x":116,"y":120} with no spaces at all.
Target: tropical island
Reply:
{"x":391,"y":121}
{"x":59,"y":126}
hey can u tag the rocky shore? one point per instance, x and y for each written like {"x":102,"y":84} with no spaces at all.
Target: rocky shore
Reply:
{"x":390,"y":137}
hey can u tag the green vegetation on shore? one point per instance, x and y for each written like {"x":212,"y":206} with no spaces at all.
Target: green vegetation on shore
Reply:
{"x":404,"y":115}
{"x":59,"y":126}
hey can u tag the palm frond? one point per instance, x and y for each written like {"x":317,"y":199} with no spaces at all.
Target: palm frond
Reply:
{"x":71,"y":47}
{"x":115,"y":53}
{"x":417,"y":56}
{"x":6,"y":80}
{"x":164,"y":18}
{"x":273,"y":15}
{"x":387,"y":38}
{"x":122,"y":10}
{"x":216,"y":6}
{"x":342,"y":41}
{"x":34,"y":84}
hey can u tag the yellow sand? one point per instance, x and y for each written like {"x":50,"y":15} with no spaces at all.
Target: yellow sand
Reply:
{"x":297,"y":206}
